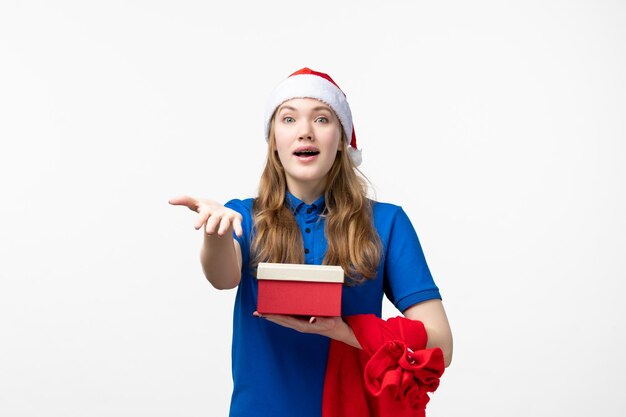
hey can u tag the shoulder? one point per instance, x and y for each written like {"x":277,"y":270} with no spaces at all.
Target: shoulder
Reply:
{"x":386,"y":212}
{"x":243,"y":206}
{"x":390,"y":219}
{"x":382,"y":208}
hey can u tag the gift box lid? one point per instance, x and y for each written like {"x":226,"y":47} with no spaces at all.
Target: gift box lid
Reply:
{"x":300,"y":272}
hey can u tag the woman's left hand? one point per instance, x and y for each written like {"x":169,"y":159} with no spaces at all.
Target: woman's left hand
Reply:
{"x":333,"y":327}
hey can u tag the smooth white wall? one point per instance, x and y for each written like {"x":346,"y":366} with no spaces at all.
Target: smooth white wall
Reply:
{"x":498,"y":126}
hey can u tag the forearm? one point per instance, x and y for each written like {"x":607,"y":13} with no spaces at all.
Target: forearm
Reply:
{"x":221,"y":262}
{"x":332,"y":327}
{"x":442,"y":340}
{"x":432,"y":314}
{"x":344,"y":333}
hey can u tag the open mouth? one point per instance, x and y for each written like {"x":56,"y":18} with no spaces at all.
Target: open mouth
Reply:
{"x":306,"y":152}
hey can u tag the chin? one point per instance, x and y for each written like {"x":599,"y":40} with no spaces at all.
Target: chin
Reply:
{"x":306,"y":177}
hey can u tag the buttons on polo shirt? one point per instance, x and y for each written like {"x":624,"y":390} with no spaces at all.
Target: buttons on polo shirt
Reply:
{"x":307,"y":230}
{"x":309,"y":210}
{"x":306,"y":251}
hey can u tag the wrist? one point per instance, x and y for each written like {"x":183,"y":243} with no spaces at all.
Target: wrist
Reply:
{"x":346,"y":335}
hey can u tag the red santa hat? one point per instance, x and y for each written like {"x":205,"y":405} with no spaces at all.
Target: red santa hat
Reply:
{"x":306,"y":83}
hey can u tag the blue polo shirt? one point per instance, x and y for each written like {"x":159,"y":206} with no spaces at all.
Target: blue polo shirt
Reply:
{"x":279,"y":372}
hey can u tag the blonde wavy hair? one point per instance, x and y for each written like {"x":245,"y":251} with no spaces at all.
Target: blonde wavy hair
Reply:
{"x":353,"y":242}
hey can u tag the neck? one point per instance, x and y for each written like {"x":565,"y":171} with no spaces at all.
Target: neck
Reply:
{"x":307,"y":193}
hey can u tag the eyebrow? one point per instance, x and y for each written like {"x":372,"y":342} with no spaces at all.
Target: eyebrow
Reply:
{"x":317,"y":108}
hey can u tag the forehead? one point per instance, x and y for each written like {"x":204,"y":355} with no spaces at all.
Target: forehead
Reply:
{"x":304,"y":104}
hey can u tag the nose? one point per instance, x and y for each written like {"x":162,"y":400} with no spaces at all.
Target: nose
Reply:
{"x":305,"y":132}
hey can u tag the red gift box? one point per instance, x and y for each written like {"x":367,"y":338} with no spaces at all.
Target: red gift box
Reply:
{"x":298,"y":289}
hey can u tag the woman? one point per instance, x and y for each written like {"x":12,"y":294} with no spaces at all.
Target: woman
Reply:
{"x":312,"y":208}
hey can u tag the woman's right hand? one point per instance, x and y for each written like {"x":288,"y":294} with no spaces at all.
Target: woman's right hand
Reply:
{"x":212,"y":216}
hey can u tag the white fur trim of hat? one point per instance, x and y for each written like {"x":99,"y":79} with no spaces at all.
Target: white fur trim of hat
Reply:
{"x":306,"y":83}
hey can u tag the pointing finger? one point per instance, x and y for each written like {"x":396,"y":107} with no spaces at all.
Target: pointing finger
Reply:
{"x":185,"y":200}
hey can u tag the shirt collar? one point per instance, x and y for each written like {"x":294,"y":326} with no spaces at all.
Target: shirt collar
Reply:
{"x":298,"y":206}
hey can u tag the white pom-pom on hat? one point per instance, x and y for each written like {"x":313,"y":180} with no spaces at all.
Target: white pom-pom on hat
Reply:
{"x":306,"y":83}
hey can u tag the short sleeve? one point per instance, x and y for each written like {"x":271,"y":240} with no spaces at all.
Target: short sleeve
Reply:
{"x":408,"y":280}
{"x":243,"y":207}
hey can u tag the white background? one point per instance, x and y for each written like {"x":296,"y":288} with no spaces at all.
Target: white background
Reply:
{"x":498,"y":126}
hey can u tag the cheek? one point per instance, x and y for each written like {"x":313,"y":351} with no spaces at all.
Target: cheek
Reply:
{"x":282,"y":151}
{"x":282,"y":140}
{"x":340,"y":143}
{"x":337,"y":140}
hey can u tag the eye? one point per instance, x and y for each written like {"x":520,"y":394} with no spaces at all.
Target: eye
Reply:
{"x":288,"y":119}
{"x":322,"y":119}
